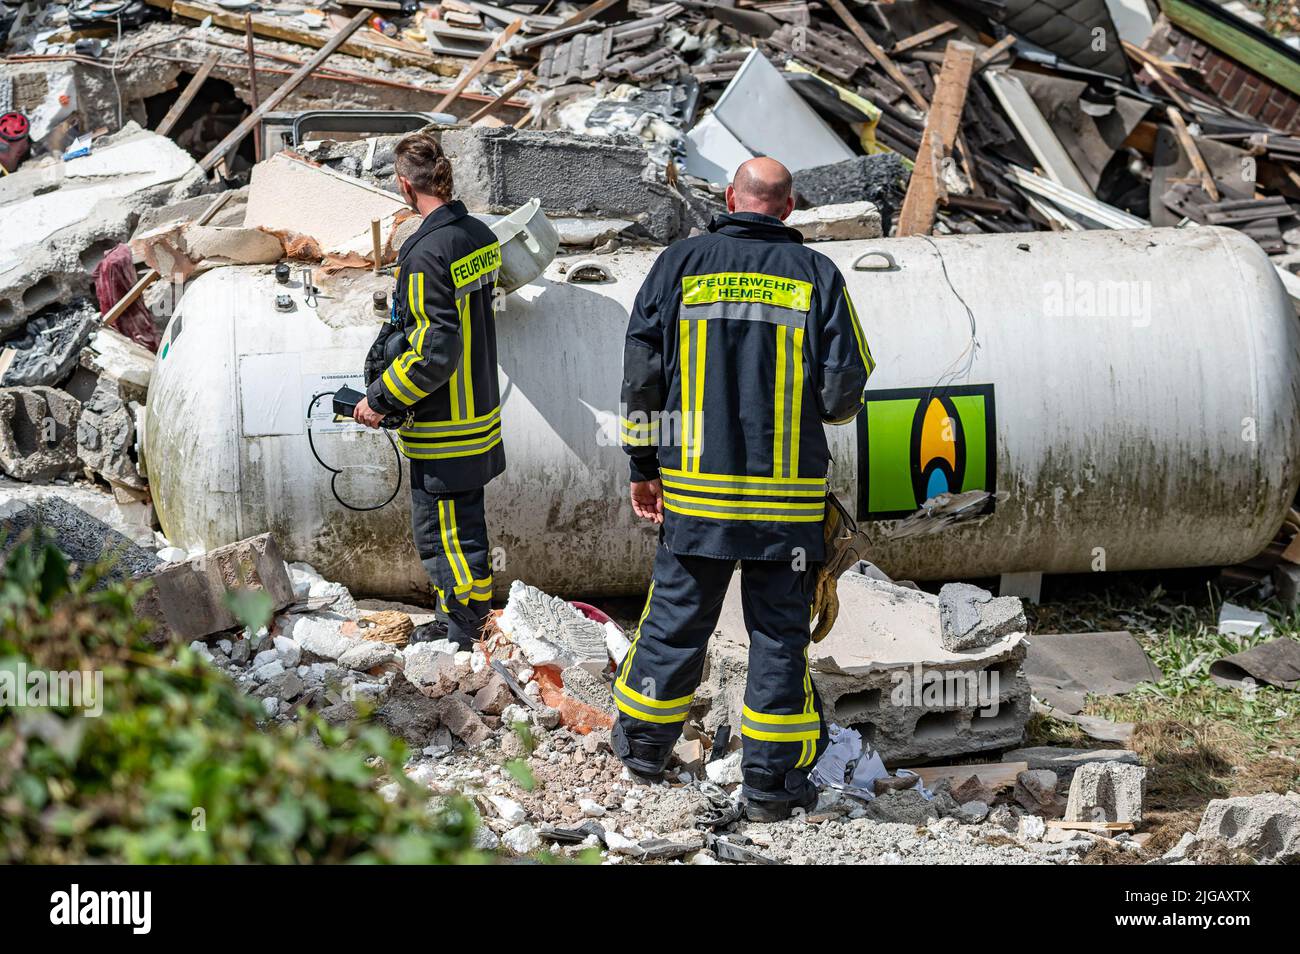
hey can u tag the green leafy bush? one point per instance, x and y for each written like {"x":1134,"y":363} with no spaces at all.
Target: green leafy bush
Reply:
{"x":177,"y":768}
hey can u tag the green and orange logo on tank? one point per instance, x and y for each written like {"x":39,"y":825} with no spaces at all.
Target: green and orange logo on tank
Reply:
{"x":917,"y":443}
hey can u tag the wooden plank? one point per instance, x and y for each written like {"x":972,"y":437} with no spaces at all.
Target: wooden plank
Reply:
{"x":589,"y":11}
{"x":490,"y":108}
{"x":187,"y":95}
{"x":1193,"y":153}
{"x":370,"y":46}
{"x":878,"y":54}
{"x":253,"y":100}
{"x":477,"y":66}
{"x":6,"y":359}
{"x":1235,"y":43}
{"x":941,"y":127}
{"x":992,"y":775}
{"x":1090,"y":825}
{"x":281,"y":92}
{"x":924,"y":37}
{"x":991,"y":53}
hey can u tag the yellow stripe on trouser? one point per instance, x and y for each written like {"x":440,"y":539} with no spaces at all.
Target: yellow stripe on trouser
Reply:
{"x":451,"y":543}
{"x":479,"y":590}
{"x":776,"y":727}
{"x":810,"y":745}
{"x":626,"y":669}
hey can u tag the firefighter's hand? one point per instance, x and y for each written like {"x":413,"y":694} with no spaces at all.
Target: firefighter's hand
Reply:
{"x":363,"y":414}
{"x":648,"y":500}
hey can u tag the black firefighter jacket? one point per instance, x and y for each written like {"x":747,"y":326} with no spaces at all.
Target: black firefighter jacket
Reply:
{"x":445,"y":382}
{"x":742,"y":342}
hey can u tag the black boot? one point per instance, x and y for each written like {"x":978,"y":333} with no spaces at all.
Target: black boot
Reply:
{"x":429,"y":632}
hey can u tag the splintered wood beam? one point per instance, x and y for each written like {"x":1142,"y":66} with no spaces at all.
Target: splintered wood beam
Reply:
{"x":187,"y":95}
{"x":878,"y":53}
{"x":924,"y":37}
{"x":941,"y":127}
{"x":476,"y":67}
{"x":281,"y":92}
{"x":1193,"y":153}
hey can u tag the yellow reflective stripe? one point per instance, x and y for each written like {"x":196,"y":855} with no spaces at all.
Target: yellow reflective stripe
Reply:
{"x":631,"y":651}
{"x":778,"y":414}
{"x":410,"y":450}
{"x":687,"y":369}
{"x":745,"y":287}
{"x":769,"y":718}
{"x":400,"y":371}
{"x":648,"y":717}
{"x":863,"y":350}
{"x":638,"y":433}
{"x":466,"y":358}
{"x":396,"y":390}
{"x":809,"y":736}
{"x":654,"y":703}
{"x":732,"y":478}
{"x":810,"y":745}
{"x":444,"y":520}
{"x":723,"y":515}
{"x":422,"y":317}
{"x":795,"y":392}
{"x":476,"y":263}
{"x":440,"y":429}
{"x":817,"y":506}
{"x":464,"y":575}
{"x":814,"y":493}
{"x":697,"y":392}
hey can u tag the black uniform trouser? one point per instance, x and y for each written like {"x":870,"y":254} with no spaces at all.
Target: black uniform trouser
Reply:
{"x":781,"y":726}
{"x":451,"y":538}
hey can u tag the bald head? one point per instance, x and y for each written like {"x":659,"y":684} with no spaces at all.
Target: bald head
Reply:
{"x":761,"y":185}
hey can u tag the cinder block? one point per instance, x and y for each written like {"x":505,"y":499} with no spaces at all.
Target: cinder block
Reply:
{"x":192,"y":596}
{"x":498,"y":170}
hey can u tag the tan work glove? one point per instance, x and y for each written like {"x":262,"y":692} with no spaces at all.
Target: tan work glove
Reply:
{"x":845,"y":546}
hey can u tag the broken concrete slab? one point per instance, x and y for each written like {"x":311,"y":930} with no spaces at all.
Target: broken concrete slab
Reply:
{"x":837,"y":223}
{"x":38,"y":433}
{"x":430,"y":670}
{"x":74,"y":212}
{"x":1106,"y":792}
{"x":883,"y":671}
{"x":191,"y":596}
{"x":551,"y":631}
{"x":498,"y":170}
{"x":112,"y":354}
{"x":81,"y":537}
{"x":48,"y":348}
{"x":973,"y":618}
{"x":1266,"y":827}
{"x":457,"y":713}
{"x":339,"y":213}
{"x":125,"y":518}
{"x":1035,"y":791}
{"x":106,"y":436}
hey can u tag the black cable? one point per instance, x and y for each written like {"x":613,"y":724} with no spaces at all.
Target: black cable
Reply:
{"x":335,"y":471}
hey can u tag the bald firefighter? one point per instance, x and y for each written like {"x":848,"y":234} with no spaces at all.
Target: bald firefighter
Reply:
{"x":741,"y":344}
{"x":442,"y":384}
